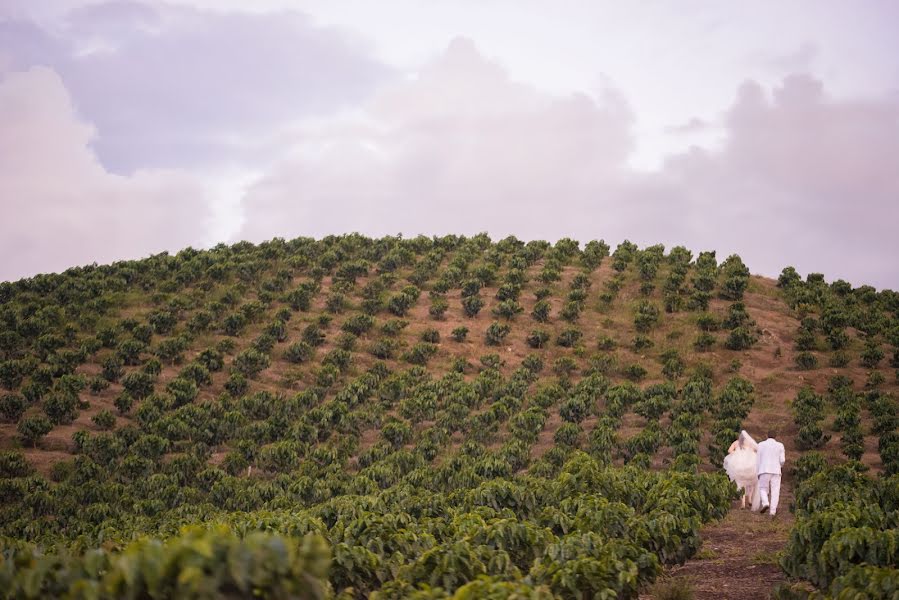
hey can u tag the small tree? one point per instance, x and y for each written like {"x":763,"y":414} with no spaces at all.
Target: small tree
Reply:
{"x":460,"y":333}
{"x":250,"y":362}
{"x":646,"y":315}
{"x":472,"y":305}
{"x":635,"y":372}
{"x":61,"y":407}
{"x":871,"y":355}
{"x":358,"y":324}
{"x":741,"y":338}
{"x":430,"y":335}
{"x":496,"y":333}
{"x":571,"y":311}
{"x":182,"y":390}
{"x":806,"y":361}
{"x":104,"y":419}
{"x":704,"y":342}
{"x":537,"y":338}
{"x":112,"y":368}
{"x":12,"y":407}
{"x":33,"y":427}
{"x":138,"y":384}
{"x":298,"y":352}
{"x":569,"y":337}
{"x":507,"y":309}
{"x":123,"y":403}
{"x":439,"y":306}
{"x":541,"y":311}
{"x":564,"y":366}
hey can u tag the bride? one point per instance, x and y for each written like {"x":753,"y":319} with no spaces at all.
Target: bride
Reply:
{"x":740,"y":465}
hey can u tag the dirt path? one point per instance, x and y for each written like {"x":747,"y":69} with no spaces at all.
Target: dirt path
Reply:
{"x":739,"y":555}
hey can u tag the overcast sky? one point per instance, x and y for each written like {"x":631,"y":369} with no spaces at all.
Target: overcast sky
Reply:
{"x":769,"y":129}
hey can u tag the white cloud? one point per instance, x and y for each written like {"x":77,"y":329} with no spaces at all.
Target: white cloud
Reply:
{"x":61,"y":207}
{"x":175,"y":86}
{"x":460,"y":148}
{"x":798,"y":178}
{"x":802,"y":179}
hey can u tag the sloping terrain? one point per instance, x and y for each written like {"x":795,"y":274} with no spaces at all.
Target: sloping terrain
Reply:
{"x":286,"y":376}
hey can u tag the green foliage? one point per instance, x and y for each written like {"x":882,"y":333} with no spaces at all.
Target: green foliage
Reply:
{"x":123,"y":403}
{"x":537,"y":338}
{"x":430,"y":335}
{"x":439,"y":306}
{"x":569,"y":337}
{"x":420,"y":353}
{"x":104,"y":420}
{"x":61,"y":407}
{"x":138,"y":384}
{"x":735,"y":278}
{"x":507,"y":309}
{"x":199,"y":563}
{"x":12,"y":407}
{"x":33,"y":427}
{"x":423,"y":478}
{"x":842,"y":540}
{"x":13,"y":464}
{"x":496,"y":333}
{"x":741,"y":338}
{"x":182,"y":390}
{"x":806,"y":361}
{"x":472,"y":305}
{"x":250,"y":363}
{"x":541,"y":311}
{"x":646,"y":316}
{"x":460,"y":333}
{"x":299,"y":352}
{"x":872,"y":355}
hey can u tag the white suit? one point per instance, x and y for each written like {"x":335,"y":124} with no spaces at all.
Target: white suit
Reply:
{"x":771,"y":457}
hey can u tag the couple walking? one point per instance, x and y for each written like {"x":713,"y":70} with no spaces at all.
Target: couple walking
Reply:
{"x":755,"y":468}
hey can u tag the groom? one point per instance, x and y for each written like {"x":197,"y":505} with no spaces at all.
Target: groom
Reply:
{"x":770,"y":459}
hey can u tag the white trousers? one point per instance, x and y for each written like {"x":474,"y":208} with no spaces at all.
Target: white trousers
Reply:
{"x":769,"y":482}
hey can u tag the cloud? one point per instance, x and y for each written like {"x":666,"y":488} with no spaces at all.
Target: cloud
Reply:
{"x":459,"y":148}
{"x":61,"y":207}
{"x":802,"y":179}
{"x":798,"y":178}
{"x":692,"y":126}
{"x":176,"y":86}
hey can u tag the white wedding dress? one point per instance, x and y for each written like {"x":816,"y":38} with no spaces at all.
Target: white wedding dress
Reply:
{"x":740,"y":464}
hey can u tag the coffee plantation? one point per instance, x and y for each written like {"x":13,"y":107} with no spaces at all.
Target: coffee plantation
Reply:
{"x":448,"y":417}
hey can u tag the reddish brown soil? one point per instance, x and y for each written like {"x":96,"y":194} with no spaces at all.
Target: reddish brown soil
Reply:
{"x":739,"y":555}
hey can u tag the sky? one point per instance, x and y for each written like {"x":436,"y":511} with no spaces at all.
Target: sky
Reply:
{"x":768,"y":129}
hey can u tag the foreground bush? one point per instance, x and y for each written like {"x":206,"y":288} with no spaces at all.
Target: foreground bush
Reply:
{"x":199,"y":563}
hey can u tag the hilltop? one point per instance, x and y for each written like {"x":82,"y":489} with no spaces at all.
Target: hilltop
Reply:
{"x":288,"y":374}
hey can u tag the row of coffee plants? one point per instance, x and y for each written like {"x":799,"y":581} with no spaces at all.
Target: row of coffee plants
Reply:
{"x":849,"y":416}
{"x":831,"y":310}
{"x":846,"y":537}
{"x":731,"y":408}
{"x":591,"y":531}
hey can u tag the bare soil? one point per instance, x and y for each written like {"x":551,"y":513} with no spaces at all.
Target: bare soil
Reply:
{"x":740,"y":554}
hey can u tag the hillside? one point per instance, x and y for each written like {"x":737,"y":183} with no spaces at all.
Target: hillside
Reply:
{"x":431,"y":381}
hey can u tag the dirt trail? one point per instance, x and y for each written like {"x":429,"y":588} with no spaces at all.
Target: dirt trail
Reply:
{"x":739,"y":554}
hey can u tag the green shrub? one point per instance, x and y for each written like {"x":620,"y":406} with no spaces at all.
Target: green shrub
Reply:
{"x":496,"y":333}
{"x":104,"y":420}
{"x":33,"y":427}
{"x":806,"y":361}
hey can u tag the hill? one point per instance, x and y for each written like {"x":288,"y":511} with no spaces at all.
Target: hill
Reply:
{"x":493,"y":417}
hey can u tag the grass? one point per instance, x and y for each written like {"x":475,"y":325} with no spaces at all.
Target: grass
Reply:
{"x":767,"y":558}
{"x":672,"y":588}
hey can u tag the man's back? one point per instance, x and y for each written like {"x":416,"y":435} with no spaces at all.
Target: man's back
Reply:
{"x":771,"y":456}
